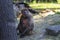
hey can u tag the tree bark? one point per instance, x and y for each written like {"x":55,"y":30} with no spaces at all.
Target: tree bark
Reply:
{"x":7,"y":21}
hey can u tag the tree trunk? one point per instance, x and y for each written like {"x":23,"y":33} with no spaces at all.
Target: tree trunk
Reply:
{"x":7,"y":21}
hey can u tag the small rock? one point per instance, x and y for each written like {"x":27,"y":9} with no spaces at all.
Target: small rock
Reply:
{"x":53,"y":30}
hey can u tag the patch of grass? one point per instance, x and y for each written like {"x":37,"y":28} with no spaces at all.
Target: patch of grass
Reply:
{"x":57,"y":12}
{"x":44,"y":5}
{"x":58,"y":1}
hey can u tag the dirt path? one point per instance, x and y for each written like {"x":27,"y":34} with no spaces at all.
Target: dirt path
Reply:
{"x":41,"y":24}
